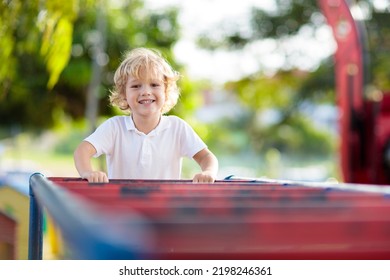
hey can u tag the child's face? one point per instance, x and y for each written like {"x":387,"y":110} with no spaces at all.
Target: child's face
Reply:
{"x":146,"y":95}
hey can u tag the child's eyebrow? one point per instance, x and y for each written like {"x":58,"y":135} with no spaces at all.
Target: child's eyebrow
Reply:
{"x":156,"y":80}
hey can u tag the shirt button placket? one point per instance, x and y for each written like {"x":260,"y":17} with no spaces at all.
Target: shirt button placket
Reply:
{"x":146,"y":154}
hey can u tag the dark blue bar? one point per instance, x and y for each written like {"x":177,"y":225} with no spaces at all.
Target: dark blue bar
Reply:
{"x":36,"y":225}
{"x":87,"y":232}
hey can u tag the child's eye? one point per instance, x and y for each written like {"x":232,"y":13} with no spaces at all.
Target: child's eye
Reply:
{"x":156,"y":85}
{"x":134,"y":86}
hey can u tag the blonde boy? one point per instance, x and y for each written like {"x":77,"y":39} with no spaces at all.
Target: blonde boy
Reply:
{"x":145,"y":144}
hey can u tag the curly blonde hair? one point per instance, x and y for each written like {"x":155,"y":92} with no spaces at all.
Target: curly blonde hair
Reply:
{"x":153,"y":63}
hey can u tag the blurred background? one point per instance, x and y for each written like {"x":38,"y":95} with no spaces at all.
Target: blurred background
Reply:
{"x":258,"y":79}
{"x":258,"y":85}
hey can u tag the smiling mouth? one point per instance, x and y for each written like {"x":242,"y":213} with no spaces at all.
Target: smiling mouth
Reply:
{"x":149,"y":101}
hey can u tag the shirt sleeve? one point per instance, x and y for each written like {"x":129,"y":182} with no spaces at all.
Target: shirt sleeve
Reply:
{"x":103,"y":138}
{"x":191,"y":143}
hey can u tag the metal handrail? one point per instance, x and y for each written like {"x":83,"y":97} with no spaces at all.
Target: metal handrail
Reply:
{"x":89,"y":232}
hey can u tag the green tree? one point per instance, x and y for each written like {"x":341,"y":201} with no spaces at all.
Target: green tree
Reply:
{"x":291,"y":88}
{"x":36,"y":26}
{"x":48,"y":52}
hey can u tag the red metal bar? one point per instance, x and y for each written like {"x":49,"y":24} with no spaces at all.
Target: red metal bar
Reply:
{"x":8,"y":240}
{"x":349,"y":87}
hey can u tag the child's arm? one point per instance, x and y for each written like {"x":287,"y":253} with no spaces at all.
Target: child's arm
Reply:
{"x":209,"y":165}
{"x":82,"y":160}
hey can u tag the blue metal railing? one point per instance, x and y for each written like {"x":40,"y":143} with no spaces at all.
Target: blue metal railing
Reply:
{"x":88,"y":232}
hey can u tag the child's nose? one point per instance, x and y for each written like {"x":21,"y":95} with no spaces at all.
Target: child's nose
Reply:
{"x":146,"y":90}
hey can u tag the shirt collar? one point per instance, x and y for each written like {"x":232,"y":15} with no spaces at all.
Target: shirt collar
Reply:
{"x":164,"y":124}
{"x":130,"y":124}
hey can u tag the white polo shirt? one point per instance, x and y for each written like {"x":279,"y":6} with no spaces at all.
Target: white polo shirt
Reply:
{"x":131,"y":154}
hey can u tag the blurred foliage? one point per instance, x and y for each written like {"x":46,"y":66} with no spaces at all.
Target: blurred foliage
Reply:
{"x":56,"y":20}
{"x":285,"y":96}
{"x":378,"y":31}
{"x":47,"y":53}
{"x":36,"y":26}
{"x":291,"y":88}
{"x":291,"y":18}
{"x":287,"y":19}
